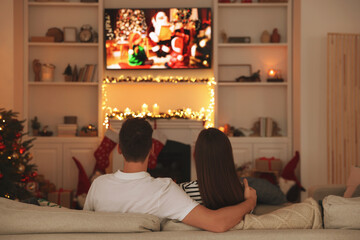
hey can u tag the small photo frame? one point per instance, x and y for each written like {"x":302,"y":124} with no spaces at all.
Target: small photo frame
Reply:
{"x":70,"y":34}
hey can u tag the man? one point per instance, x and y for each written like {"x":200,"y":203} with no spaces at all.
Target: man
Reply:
{"x":134,"y":190}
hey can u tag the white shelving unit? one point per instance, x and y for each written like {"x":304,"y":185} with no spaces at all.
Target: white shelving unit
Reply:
{"x":51,"y":101}
{"x":241,"y":104}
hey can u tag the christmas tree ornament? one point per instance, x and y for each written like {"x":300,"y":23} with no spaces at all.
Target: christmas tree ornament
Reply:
{"x":32,"y":186}
{"x":15,"y":156}
{"x":21,"y":168}
{"x":1,"y":175}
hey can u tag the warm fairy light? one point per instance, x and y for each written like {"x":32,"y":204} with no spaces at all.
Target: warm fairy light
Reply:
{"x":222,"y":129}
{"x":205,"y":114}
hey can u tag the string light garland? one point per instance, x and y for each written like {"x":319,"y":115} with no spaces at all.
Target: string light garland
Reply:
{"x":205,"y":115}
{"x":152,"y":79}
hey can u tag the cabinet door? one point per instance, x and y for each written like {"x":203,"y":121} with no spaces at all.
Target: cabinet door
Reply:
{"x":84,"y":152}
{"x":48,"y":158}
{"x":242,"y":153}
{"x":276,"y":150}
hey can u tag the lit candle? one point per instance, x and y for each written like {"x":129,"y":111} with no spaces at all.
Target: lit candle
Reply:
{"x":156,"y":109}
{"x":188,"y":112}
{"x":127,"y":111}
{"x":272,"y":73}
{"x":144,"y":108}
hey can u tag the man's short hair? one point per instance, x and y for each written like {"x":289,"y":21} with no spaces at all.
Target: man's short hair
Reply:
{"x":135,"y":139}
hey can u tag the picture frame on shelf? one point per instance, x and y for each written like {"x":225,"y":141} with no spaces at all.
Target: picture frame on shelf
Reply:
{"x":70,"y":34}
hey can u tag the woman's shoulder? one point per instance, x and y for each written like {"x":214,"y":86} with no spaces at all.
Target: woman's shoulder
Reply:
{"x":192,"y":189}
{"x":189,"y":185}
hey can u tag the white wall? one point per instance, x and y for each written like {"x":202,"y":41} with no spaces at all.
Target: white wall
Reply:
{"x":6,"y":54}
{"x":317,"y":19}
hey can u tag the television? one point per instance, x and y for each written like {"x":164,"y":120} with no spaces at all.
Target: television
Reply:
{"x":166,"y":38}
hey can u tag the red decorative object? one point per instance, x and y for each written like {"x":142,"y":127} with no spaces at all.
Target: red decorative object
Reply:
{"x":1,"y":175}
{"x":83,"y":180}
{"x":289,"y":170}
{"x":103,"y":151}
{"x":268,"y":164}
{"x":159,"y":140}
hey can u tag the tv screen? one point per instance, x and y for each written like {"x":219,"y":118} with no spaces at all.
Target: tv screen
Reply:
{"x":168,"y":38}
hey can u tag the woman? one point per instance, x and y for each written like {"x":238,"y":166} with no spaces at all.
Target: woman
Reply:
{"x":218,"y":184}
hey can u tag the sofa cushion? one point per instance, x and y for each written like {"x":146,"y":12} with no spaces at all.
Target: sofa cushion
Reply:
{"x":24,"y":218}
{"x":304,"y":215}
{"x":340,"y":212}
{"x":267,"y":193}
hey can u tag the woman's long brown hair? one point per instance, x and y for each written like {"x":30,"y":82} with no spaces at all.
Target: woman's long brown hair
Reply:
{"x":218,"y":182}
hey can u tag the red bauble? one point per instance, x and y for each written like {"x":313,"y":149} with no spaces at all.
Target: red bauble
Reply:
{"x":22,"y":150}
{"x":1,"y":175}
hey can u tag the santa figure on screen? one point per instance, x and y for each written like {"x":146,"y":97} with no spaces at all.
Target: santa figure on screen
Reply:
{"x":179,"y":58}
{"x":161,"y":36}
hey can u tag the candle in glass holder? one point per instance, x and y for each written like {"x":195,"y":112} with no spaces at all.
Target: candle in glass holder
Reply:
{"x":156,"y":109}
{"x":144,"y":108}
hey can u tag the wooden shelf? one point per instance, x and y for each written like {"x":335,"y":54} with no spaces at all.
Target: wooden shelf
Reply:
{"x":62,"y":44}
{"x":256,"y":5}
{"x":254,"y":84}
{"x":282,"y":139}
{"x":63,"y":84}
{"x":235,"y":45}
{"x":152,"y":83}
{"x":63,"y":4}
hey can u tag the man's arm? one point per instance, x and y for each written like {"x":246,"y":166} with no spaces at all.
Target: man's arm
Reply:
{"x":222,"y":219}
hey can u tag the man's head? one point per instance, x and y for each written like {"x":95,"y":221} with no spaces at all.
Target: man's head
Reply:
{"x":135,"y":139}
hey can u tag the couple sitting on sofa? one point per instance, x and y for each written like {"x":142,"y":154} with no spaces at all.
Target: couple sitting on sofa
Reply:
{"x":225,"y":201}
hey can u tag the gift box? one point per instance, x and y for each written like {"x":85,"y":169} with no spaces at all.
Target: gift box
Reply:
{"x":61,"y":197}
{"x":67,"y":130}
{"x":268,"y":164}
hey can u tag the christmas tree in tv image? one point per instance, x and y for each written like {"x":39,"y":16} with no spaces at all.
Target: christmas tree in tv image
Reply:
{"x":158,"y":38}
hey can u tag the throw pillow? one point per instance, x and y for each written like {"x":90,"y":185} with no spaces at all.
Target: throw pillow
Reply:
{"x":340,"y":212}
{"x":352,"y":182}
{"x":267,"y":193}
{"x":356,"y":192}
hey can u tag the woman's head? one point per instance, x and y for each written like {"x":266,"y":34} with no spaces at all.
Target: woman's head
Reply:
{"x":217,"y":178}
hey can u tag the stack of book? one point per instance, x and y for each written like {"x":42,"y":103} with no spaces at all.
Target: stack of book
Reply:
{"x":87,"y":73}
{"x":266,"y":127}
{"x":67,"y":130}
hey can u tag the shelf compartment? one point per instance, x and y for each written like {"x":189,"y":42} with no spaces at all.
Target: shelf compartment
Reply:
{"x":243,"y":106}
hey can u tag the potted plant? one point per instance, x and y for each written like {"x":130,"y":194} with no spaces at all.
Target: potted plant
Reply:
{"x":35,"y":125}
{"x":68,"y":73}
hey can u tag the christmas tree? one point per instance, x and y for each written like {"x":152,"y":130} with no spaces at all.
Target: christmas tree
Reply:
{"x":16,"y":174}
{"x":129,"y":21}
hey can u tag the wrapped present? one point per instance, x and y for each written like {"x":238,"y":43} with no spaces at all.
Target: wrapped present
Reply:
{"x":61,"y":197}
{"x":268,"y":164}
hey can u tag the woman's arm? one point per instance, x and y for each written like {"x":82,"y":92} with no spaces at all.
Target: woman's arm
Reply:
{"x":222,"y":219}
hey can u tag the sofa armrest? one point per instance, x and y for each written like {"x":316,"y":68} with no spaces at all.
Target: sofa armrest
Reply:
{"x":319,"y":192}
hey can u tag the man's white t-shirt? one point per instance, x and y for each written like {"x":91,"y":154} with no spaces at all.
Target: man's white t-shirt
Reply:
{"x":138,"y":193}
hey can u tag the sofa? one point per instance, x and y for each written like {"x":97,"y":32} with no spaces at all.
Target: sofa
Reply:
{"x":27,"y":221}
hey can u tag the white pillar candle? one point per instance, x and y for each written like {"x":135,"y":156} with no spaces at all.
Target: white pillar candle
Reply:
{"x":156,"y":109}
{"x":144,"y":108}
